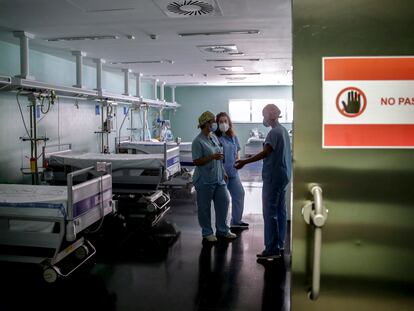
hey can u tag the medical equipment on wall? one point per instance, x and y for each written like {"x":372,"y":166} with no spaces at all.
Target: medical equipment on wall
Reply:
{"x":39,"y":103}
{"x":254,"y":132}
{"x":255,"y":143}
{"x":107,"y":114}
{"x":165,"y":131}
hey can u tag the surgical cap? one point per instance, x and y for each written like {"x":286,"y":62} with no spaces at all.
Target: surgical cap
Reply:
{"x":205,"y":117}
{"x":272,"y":111}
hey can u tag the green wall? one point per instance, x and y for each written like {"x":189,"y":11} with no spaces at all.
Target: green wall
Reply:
{"x":194,"y":100}
{"x":367,"y":248}
{"x":67,"y":122}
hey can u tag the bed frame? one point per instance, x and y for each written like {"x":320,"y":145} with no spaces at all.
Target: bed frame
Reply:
{"x":133,"y":179}
{"x":87,"y":203}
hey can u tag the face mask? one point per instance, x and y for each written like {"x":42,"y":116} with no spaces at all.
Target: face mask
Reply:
{"x":224,"y":127}
{"x":265,"y":123}
{"x":213,"y":127}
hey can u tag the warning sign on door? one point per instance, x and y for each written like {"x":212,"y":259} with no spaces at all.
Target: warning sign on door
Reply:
{"x":368,"y":102}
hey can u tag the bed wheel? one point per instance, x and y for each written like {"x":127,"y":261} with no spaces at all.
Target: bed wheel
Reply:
{"x":81,"y":252}
{"x":50,"y":274}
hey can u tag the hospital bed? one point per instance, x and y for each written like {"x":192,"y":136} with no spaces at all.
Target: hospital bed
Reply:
{"x":48,"y":225}
{"x":126,"y":144}
{"x":131,"y":173}
{"x":136,"y":178}
{"x":180,"y":183}
{"x":253,"y":146}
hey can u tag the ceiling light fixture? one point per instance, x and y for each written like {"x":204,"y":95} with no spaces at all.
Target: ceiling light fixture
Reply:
{"x":218,"y":48}
{"x":218,"y":33}
{"x":189,"y":83}
{"x":162,"y":61}
{"x":244,"y":82}
{"x":236,"y":53}
{"x":230,"y":68}
{"x":170,"y":75}
{"x":241,"y":74}
{"x":234,"y":60}
{"x":236,"y":78}
{"x":103,"y":37}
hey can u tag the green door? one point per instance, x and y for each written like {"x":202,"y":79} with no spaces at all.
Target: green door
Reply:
{"x":367,"y":253}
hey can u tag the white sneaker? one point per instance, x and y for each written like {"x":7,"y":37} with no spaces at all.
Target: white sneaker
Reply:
{"x":229,"y":235}
{"x":210,"y":238}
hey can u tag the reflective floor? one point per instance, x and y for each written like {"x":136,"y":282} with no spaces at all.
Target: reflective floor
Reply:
{"x":155,"y":272}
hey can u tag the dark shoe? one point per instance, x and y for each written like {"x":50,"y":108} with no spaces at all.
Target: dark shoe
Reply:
{"x":229,"y":235}
{"x":268,"y":255}
{"x":209,"y":239}
{"x":241,"y":225}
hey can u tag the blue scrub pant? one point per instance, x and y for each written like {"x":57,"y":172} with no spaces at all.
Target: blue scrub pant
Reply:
{"x":236,"y":190}
{"x":274,"y":215}
{"x":218,"y":194}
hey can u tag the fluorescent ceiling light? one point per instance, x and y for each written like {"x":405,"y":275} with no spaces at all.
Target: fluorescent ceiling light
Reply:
{"x":234,"y":60}
{"x":230,"y":68}
{"x":241,"y":74}
{"x":236,"y":78}
{"x":247,"y":82}
{"x":218,"y":48}
{"x":110,"y":10}
{"x":217,"y":33}
{"x":189,"y":83}
{"x":169,"y":75}
{"x":236,"y":53}
{"x":104,"y":37}
{"x":162,"y":61}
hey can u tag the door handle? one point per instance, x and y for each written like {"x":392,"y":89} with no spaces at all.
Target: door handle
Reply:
{"x":315,"y":214}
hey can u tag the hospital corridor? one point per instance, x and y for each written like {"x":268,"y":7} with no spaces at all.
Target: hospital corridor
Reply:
{"x":210,"y":155}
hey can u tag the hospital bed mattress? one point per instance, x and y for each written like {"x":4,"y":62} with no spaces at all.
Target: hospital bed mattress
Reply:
{"x":33,"y":201}
{"x":118,"y":161}
{"x":158,"y":147}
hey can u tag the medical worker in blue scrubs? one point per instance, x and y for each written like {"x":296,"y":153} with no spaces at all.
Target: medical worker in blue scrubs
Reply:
{"x":209,"y":180}
{"x":231,"y":148}
{"x":276,"y":176}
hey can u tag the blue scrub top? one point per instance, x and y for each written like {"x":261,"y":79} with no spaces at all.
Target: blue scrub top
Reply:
{"x":231,"y":146}
{"x":211,"y":172}
{"x":277,"y":167}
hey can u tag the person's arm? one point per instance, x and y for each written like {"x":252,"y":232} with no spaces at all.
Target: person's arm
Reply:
{"x":226,"y":177}
{"x":204,"y":160}
{"x":267,"y":149}
{"x":238,"y":148}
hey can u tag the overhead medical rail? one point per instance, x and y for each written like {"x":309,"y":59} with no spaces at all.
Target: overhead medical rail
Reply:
{"x":5,"y":81}
{"x":81,"y":93}
{"x":315,"y":214}
{"x":25,"y":82}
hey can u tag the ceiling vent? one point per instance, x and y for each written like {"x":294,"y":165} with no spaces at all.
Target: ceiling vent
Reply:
{"x":218,"y":49}
{"x":188,"y":8}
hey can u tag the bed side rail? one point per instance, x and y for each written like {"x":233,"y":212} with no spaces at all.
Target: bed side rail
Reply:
{"x":49,"y":150}
{"x":171,"y":161}
{"x":121,"y":139}
{"x":88,"y":201}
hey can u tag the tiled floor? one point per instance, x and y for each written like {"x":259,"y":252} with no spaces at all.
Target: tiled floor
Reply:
{"x":147,"y":274}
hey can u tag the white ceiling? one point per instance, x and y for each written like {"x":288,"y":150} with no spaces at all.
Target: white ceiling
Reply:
{"x":142,"y":18}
